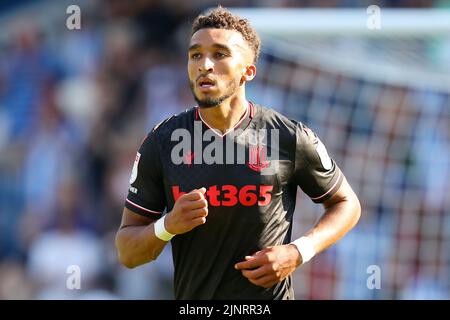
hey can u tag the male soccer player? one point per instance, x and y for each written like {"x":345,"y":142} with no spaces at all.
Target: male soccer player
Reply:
{"x":226,"y":172}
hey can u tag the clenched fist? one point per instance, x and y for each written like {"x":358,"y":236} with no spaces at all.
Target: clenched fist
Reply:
{"x":190,"y":210}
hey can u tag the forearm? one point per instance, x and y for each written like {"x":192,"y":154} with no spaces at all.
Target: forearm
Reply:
{"x":136,"y":240}
{"x":337,"y":220}
{"x":137,"y":245}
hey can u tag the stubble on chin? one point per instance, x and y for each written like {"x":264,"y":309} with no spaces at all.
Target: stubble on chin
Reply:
{"x":212,"y":102}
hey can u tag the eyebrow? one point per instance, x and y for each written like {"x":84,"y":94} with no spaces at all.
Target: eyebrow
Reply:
{"x":194,"y":46}
{"x":215,"y":45}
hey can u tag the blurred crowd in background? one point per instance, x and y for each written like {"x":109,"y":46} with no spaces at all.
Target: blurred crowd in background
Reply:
{"x":74,"y":107}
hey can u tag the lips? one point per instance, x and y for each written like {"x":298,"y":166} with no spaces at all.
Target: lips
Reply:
{"x":206,"y":83}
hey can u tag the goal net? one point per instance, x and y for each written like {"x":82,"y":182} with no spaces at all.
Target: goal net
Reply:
{"x":380,"y":101}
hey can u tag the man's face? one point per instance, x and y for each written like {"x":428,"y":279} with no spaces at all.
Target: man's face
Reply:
{"x":216,"y":66}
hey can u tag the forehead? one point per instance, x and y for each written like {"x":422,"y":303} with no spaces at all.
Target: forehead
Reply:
{"x":210,"y":36}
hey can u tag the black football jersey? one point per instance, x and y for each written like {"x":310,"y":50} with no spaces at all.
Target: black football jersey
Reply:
{"x":251,"y":174}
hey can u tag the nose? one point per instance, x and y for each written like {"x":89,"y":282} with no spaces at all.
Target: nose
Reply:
{"x":206,"y":65}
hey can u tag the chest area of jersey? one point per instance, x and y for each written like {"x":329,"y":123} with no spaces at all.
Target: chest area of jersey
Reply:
{"x":234,"y":172}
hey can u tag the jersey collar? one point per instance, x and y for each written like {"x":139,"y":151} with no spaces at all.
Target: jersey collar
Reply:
{"x":243,"y":122}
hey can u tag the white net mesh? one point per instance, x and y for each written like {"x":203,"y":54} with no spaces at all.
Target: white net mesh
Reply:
{"x":382,"y":107}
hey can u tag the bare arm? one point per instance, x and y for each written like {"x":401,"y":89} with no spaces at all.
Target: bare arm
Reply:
{"x":342,"y":212}
{"x":136,"y":241}
{"x":271,"y":265}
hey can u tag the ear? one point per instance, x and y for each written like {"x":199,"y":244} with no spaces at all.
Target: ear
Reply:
{"x":249,"y":72}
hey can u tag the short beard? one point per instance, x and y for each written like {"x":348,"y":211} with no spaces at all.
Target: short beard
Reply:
{"x":212,"y":102}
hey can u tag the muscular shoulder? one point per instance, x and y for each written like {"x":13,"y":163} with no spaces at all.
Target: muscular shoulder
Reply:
{"x":272,"y":119}
{"x":291,"y":132}
{"x":164,"y":129}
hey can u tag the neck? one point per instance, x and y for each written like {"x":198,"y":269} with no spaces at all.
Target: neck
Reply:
{"x":226,"y":115}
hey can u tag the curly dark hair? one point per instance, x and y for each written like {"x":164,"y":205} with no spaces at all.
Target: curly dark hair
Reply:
{"x":221,"y":18}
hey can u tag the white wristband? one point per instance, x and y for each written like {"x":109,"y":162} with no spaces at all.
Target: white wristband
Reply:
{"x":161,"y":232}
{"x":306,"y":248}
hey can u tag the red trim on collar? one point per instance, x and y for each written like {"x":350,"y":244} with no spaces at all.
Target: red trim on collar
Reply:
{"x":245,"y":116}
{"x":252,"y":109}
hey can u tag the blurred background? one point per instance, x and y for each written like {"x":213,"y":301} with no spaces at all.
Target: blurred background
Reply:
{"x":75,"y":105}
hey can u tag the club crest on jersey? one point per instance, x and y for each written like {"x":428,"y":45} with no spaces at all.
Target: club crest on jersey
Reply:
{"x":256,"y":148}
{"x":258,"y":158}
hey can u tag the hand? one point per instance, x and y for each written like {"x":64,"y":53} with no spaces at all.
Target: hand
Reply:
{"x":189,"y":211}
{"x":269,"y":266}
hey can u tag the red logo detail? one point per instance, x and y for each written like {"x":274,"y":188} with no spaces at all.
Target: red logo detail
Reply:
{"x":229,"y":195}
{"x":257,"y":158}
{"x":189,"y":158}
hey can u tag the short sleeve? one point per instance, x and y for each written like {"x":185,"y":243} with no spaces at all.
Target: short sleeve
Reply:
{"x":315,"y":171}
{"x":146,"y":193}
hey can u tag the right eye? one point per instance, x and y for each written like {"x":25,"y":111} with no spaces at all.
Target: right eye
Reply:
{"x":196,"y":56}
